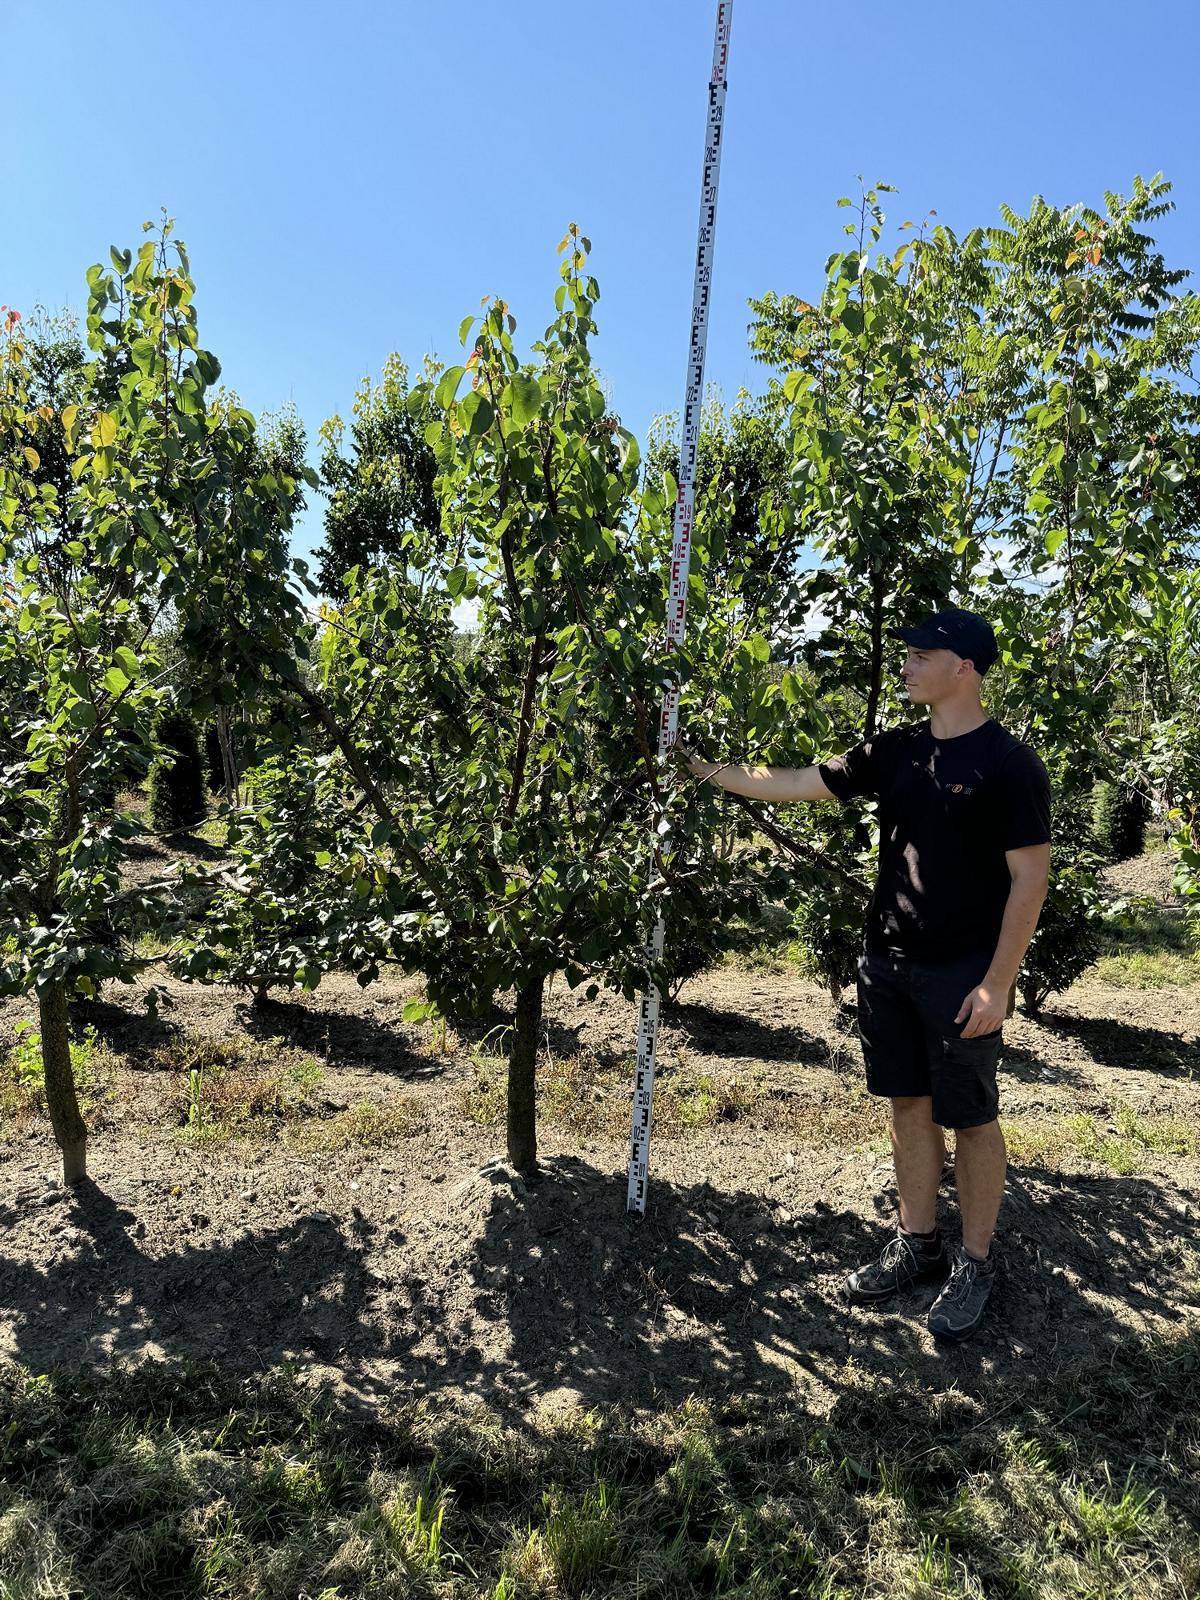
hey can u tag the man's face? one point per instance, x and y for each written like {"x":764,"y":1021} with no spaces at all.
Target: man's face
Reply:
{"x":931,"y":675}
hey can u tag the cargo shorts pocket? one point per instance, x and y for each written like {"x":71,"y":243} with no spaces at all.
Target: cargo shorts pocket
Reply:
{"x":965,"y":1091}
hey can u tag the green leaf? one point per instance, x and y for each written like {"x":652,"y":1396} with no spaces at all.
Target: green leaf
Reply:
{"x":464,"y":329}
{"x":116,"y":681}
{"x":525,"y":398}
{"x":448,"y":387}
{"x":104,"y":430}
{"x":82,"y":714}
{"x":144,"y":353}
{"x":476,"y":411}
{"x":630,"y":453}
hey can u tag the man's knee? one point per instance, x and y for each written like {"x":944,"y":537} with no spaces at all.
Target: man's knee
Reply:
{"x":909,"y":1109}
{"x":985,"y":1133}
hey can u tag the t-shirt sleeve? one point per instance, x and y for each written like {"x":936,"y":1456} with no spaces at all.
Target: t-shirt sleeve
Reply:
{"x":1025,"y":788}
{"x":859,"y":772}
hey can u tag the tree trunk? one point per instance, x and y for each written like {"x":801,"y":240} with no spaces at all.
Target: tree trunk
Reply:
{"x":229,"y":770}
{"x":522,"y":1062}
{"x":61,"y":1099}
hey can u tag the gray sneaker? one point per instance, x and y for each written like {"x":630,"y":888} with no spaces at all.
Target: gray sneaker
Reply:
{"x":958,"y":1310}
{"x":903,"y":1262}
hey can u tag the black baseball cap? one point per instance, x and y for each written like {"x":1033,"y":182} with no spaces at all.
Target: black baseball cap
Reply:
{"x":967,"y":634}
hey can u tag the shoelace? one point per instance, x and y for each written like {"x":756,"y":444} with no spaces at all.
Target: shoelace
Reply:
{"x":894,"y":1250}
{"x":961,"y":1281}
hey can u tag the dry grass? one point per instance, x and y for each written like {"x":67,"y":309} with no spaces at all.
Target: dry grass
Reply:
{"x":369,"y":1125}
{"x":590,"y":1098}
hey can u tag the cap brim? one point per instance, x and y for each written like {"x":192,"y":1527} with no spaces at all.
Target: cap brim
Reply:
{"x":918,"y":636}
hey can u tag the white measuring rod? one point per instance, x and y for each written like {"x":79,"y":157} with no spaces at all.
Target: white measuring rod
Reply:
{"x":643,"y":1081}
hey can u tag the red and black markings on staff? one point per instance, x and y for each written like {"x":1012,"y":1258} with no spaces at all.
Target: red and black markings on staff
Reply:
{"x":643,"y":1082}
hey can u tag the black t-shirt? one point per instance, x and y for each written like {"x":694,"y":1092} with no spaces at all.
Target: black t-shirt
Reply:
{"x":948,"y":810}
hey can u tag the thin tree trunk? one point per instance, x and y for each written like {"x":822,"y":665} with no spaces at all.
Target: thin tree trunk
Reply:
{"x":61,"y":1099}
{"x":229,"y":772}
{"x":876,"y":683}
{"x":522,"y":1062}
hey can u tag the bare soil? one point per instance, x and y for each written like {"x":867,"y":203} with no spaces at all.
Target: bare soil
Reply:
{"x":419,"y":1265}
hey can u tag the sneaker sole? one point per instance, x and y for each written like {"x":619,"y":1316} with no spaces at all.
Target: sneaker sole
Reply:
{"x":955,"y":1335}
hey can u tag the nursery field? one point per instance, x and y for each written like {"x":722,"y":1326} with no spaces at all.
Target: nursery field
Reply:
{"x":308,"y":1334}
{"x":312,"y":1289}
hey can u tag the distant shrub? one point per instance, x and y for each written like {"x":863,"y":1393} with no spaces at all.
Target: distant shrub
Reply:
{"x":1119,"y":816}
{"x":175,"y":784}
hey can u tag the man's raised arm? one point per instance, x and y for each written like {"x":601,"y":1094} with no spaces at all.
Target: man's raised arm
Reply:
{"x":779,"y":784}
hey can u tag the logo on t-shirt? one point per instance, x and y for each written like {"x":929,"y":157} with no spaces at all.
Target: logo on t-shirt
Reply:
{"x":959,"y":788}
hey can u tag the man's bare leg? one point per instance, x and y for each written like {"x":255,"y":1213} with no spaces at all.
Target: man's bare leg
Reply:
{"x":980,"y":1168}
{"x":919,"y":1150}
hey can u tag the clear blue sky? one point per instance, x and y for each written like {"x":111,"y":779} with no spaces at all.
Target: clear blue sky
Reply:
{"x":351,"y":178}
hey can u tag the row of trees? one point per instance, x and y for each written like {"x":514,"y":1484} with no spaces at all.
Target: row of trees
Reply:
{"x":1006,"y":420}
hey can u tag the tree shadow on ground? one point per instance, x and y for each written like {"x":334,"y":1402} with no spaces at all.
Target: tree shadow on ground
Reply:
{"x":505,"y":1291}
{"x":733,"y":1033}
{"x":1032,"y":1066}
{"x":336,"y":1037}
{"x":1127,"y":1046}
{"x":136,"y":1035}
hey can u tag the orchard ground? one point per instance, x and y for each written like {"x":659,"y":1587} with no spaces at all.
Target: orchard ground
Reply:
{"x":306,"y":1335}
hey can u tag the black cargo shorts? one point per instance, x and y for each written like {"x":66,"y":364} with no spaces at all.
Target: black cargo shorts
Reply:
{"x":912,"y":1044}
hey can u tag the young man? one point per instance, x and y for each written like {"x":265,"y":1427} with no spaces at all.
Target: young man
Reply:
{"x":964,"y":852}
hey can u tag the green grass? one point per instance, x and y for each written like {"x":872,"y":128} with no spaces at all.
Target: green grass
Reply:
{"x":174,"y":1480}
{"x":1122,"y":1144}
{"x":231,"y":1089}
{"x":1149,"y":947}
{"x":23,"y":1078}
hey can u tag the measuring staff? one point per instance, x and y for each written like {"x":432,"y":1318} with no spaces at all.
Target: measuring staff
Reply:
{"x":643,"y":1082}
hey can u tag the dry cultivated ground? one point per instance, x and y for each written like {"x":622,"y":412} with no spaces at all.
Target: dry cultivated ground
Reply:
{"x":306,"y":1336}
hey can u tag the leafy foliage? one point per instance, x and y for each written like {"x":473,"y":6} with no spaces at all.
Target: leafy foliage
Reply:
{"x":381,"y":496}
{"x":167,"y":507}
{"x":1003,"y":421}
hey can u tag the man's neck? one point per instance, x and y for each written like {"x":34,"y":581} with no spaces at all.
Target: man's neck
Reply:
{"x":948,"y":721}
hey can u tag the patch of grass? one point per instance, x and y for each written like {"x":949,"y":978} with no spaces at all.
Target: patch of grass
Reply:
{"x":214,"y":831}
{"x":368,"y":1125}
{"x":590,"y":1098}
{"x":224,"y":1088}
{"x":23,"y":1077}
{"x":1163,"y":969}
{"x":174,"y":1479}
{"x":1148,"y":946}
{"x":581,"y":1536}
{"x":237,"y":1088}
{"x":147,"y":946}
{"x":1121,"y":1145}
{"x":482,"y":1097}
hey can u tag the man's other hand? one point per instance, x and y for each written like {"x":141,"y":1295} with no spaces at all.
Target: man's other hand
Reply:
{"x":983,"y":1010}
